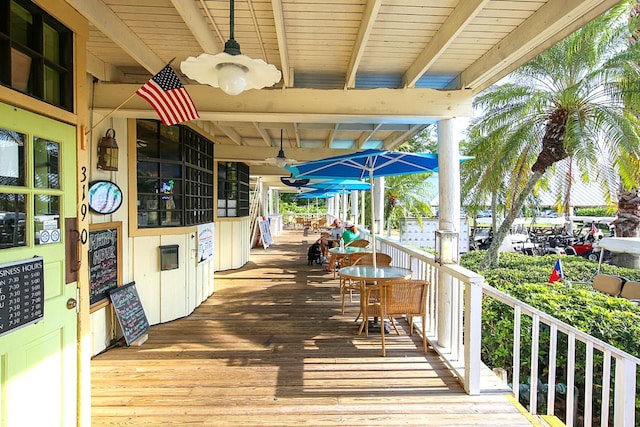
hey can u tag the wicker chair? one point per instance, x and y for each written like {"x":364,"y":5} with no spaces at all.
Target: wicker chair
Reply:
{"x":348,"y":285}
{"x":360,"y":243}
{"x":397,"y":298}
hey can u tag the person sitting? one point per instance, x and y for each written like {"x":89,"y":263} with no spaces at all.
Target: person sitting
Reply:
{"x":350,"y":232}
{"x":331,"y":238}
{"x":349,"y":235}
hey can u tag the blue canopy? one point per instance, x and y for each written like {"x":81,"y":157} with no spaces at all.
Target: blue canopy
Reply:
{"x":340,"y":184}
{"x":366,"y":164}
{"x":317,"y":194}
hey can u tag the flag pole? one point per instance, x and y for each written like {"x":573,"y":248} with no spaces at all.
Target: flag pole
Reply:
{"x":118,"y":107}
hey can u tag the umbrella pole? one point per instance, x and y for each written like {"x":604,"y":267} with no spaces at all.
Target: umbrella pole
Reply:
{"x":373,"y":221}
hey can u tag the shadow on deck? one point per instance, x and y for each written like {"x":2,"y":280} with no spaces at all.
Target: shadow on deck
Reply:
{"x":271,"y":348}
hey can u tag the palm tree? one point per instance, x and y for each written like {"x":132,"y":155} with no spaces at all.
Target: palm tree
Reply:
{"x":568,"y":101}
{"x":405,"y":196}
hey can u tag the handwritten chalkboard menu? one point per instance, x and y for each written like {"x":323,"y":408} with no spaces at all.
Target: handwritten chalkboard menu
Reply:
{"x":129,"y":311}
{"x":104,"y":255}
{"x":21,"y":293}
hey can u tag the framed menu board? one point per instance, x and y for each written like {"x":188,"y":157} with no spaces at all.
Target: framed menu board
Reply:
{"x":105,"y":262}
{"x":129,"y":311}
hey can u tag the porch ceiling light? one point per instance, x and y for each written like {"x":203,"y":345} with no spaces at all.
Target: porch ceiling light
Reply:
{"x":230,"y":70}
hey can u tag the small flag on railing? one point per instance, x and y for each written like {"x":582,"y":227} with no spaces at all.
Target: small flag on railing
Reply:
{"x":594,"y":229}
{"x":168,"y":96}
{"x":557,"y":273}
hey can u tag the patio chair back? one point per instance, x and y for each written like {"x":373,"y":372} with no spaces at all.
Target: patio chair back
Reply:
{"x":607,"y":284}
{"x":631,"y":290}
{"x":396,"y":298}
{"x":360,"y":243}
{"x":367,"y":259}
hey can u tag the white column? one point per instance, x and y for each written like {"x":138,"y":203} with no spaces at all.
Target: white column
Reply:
{"x":449,"y":198}
{"x":378,"y":194}
{"x":263,"y":199}
{"x":354,"y":206}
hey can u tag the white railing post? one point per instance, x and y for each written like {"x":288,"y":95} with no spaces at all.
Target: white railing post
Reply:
{"x":473,"y":336}
{"x":625,"y":393}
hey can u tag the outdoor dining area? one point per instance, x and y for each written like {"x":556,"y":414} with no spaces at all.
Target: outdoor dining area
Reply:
{"x":275,"y":345}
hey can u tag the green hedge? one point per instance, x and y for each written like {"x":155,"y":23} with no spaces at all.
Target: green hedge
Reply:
{"x":615,"y":321}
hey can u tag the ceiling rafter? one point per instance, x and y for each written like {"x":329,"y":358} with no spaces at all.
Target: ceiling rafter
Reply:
{"x":265,"y":135}
{"x":221,"y":38}
{"x":368,"y":20}
{"x":332,"y":135}
{"x":192,"y":17}
{"x":231,"y":134}
{"x":103,"y":18}
{"x":256,"y":27}
{"x":398,"y":138}
{"x":550,"y":24}
{"x":367,"y":136}
{"x":461,"y":16}
{"x":278,"y":17}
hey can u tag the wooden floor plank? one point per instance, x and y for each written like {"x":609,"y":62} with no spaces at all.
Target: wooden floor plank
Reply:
{"x":271,"y":348}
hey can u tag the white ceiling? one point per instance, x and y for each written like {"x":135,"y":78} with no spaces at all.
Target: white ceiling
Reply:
{"x":356,"y":74}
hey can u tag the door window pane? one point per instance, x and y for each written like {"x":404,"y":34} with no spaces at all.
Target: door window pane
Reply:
{"x":46,"y":156}
{"x":46,"y":213}
{"x":12,"y":220}
{"x":12,"y":168}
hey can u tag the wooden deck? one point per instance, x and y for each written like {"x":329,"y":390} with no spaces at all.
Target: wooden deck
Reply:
{"x":270,"y":348}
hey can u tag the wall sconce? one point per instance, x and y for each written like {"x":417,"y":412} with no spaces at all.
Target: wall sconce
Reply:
{"x":447,"y":247}
{"x":108,"y":152}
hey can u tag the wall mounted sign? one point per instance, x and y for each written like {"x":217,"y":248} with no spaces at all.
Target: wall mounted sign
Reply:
{"x":105,"y":197}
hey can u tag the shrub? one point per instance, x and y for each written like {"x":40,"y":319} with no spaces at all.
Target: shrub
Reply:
{"x":615,"y":321}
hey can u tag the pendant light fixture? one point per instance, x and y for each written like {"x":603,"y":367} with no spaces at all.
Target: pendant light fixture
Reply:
{"x":230,"y":70}
{"x":280,"y":160}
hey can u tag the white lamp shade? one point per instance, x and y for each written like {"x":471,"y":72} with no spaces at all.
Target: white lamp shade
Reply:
{"x":206,"y":69}
{"x":281,"y":162}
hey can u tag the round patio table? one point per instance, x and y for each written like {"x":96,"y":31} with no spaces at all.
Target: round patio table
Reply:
{"x":368,"y":274}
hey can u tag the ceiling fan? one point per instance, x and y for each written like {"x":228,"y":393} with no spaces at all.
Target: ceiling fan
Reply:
{"x":280,"y":160}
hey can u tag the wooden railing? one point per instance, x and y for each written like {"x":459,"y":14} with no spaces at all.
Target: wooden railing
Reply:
{"x":462,"y":334}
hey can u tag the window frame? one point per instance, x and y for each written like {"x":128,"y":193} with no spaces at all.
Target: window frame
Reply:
{"x":227,"y":186}
{"x":38,"y":61}
{"x":196,"y":179}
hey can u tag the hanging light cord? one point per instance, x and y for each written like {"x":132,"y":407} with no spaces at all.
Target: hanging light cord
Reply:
{"x":232,"y":47}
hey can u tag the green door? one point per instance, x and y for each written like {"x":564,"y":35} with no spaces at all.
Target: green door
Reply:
{"x":38,"y":370}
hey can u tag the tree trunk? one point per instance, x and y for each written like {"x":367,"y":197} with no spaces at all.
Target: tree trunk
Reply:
{"x":552,"y":151}
{"x":627,"y":225}
{"x":491,"y":258}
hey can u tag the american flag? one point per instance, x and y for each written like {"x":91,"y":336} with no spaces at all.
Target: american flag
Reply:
{"x":169,"y":98}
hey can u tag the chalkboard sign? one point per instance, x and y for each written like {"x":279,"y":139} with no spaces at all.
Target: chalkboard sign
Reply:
{"x":104,"y":261}
{"x":126,"y":303}
{"x":21,"y":293}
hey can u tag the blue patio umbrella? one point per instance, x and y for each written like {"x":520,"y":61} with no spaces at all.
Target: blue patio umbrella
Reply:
{"x":317,"y":194}
{"x":341,"y":184}
{"x":367,"y":163}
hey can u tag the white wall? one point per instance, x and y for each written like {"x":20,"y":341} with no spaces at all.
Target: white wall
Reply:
{"x":165,"y":295}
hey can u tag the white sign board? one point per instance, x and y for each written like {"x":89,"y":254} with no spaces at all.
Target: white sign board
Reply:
{"x":265,"y":233}
{"x":425,"y":237}
{"x":205,"y":242}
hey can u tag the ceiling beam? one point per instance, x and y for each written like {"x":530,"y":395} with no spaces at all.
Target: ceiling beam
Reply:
{"x":103,"y":18}
{"x":332,"y":134}
{"x":264,"y":134}
{"x":369,"y":16}
{"x":461,"y":16}
{"x":192,"y":17}
{"x":399,"y":106}
{"x":550,"y":24}
{"x":278,"y":18}
{"x":398,"y":138}
{"x":231,"y":134}
{"x":366,"y":136}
